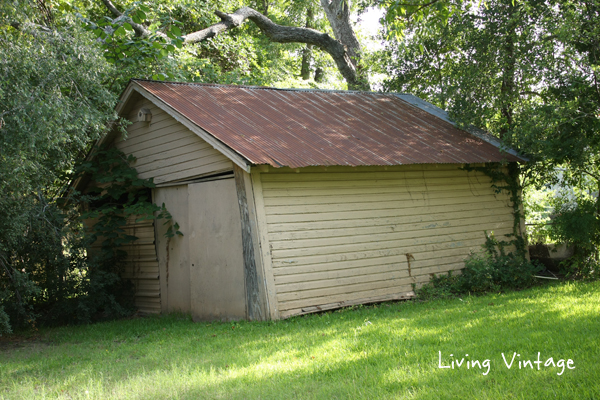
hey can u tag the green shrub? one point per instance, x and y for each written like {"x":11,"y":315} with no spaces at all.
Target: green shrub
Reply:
{"x":4,"y":322}
{"x":577,"y":225}
{"x":440,"y":287}
{"x":47,"y":276}
{"x":489,"y":271}
{"x":4,"y":318}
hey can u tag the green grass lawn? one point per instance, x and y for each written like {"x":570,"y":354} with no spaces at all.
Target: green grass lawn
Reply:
{"x":385,"y":351}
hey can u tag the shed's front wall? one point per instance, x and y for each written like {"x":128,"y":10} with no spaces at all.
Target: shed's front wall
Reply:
{"x":173,"y":253}
{"x":343,"y":235}
{"x":216,"y":257}
{"x":202,"y":272}
{"x":200,"y":269}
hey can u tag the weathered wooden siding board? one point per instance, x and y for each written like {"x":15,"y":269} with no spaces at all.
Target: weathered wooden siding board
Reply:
{"x":293,"y":273}
{"x":418,"y":209}
{"x":398,"y":193}
{"x":295,"y":307}
{"x":341,"y":234}
{"x":141,"y":266}
{"x":487,"y":221}
{"x":438,"y":219}
{"x":384,"y":240}
{"x":433,"y":204}
{"x":168,"y":151}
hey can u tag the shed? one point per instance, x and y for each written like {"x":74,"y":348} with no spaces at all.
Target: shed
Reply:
{"x":295,"y":201}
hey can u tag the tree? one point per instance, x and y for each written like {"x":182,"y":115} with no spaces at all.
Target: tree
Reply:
{"x":53,"y":103}
{"x":526,"y":71}
{"x":345,"y":50}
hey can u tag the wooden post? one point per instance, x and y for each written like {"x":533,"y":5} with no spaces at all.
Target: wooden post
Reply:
{"x":254,"y":302}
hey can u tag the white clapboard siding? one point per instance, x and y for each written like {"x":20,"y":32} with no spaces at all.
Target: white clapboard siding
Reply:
{"x":344,"y":236}
{"x":141,"y":266}
{"x":166,"y":150}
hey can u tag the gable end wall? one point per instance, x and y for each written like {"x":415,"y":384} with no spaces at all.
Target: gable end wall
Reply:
{"x":166,"y":150}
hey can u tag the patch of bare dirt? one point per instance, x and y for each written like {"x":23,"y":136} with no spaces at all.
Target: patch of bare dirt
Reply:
{"x":12,"y":342}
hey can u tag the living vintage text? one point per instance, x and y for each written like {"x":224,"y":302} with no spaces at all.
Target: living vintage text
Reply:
{"x":509,"y":361}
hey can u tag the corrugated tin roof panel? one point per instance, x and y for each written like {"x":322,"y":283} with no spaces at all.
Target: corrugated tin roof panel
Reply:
{"x":300,"y":128}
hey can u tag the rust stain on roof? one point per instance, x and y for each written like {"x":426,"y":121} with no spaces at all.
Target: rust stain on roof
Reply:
{"x":300,"y":128}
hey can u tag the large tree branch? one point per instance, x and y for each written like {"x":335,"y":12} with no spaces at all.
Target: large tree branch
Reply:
{"x":285,"y":34}
{"x":276,"y":33}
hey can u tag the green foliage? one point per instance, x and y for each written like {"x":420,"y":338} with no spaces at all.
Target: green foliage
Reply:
{"x":4,"y":321}
{"x":483,"y":66}
{"x":440,"y":287}
{"x":239,"y":56}
{"x":115,"y":195}
{"x":17,"y":291}
{"x":129,"y":52}
{"x":493,"y":273}
{"x":41,"y":266}
{"x":53,"y":101}
{"x":493,"y":270}
{"x":537,"y":205}
{"x":422,"y":15}
{"x":577,"y":224}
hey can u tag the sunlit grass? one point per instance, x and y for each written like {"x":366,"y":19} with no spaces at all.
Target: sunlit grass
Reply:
{"x":384,"y":351}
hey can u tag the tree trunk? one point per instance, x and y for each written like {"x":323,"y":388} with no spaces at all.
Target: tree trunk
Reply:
{"x":338,"y":15}
{"x":307,"y":52}
{"x":507,"y":89}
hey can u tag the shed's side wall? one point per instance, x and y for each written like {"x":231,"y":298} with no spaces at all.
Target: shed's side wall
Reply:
{"x":166,"y":150}
{"x":345,"y":235}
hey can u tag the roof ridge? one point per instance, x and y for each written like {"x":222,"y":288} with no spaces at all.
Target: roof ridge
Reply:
{"x":263,"y":87}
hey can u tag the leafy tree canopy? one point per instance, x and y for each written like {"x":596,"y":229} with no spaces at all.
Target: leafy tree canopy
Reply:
{"x":526,"y":71}
{"x":54,"y":100}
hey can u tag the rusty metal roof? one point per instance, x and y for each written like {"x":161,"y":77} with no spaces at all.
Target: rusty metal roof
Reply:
{"x":300,"y":128}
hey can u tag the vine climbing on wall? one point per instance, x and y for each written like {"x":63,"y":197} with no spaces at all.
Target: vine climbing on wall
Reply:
{"x":505,"y":177}
{"x":114,"y":195}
